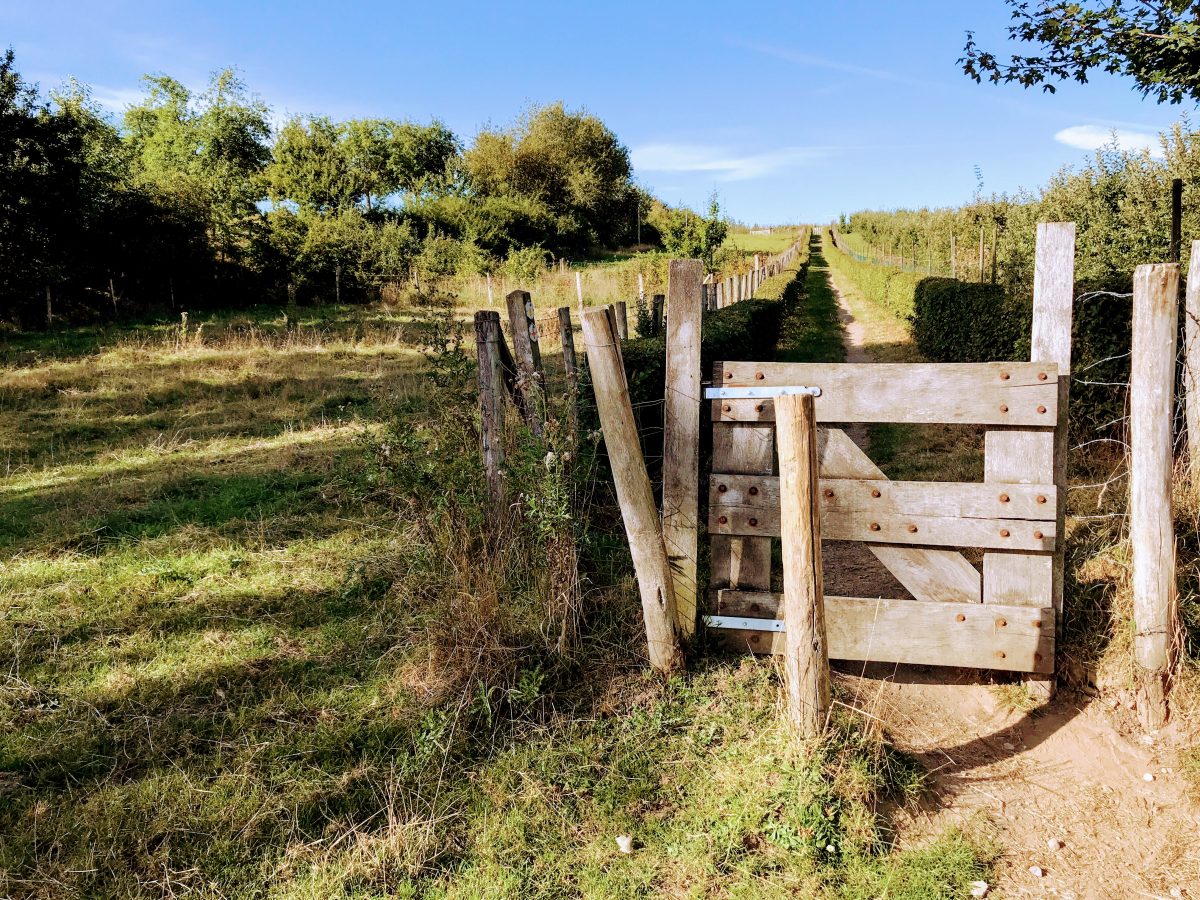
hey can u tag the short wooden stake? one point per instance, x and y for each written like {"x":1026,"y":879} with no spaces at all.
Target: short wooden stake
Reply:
{"x":634,"y":492}
{"x":681,"y":435}
{"x":488,"y":338}
{"x":806,"y":664}
{"x":659,"y":300}
{"x":1191,"y":364}
{"x":523,"y":322}
{"x":622,"y":320}
{"x":579,"y":291}
{"x":568,"y":341}
{"x":1151,"y":525}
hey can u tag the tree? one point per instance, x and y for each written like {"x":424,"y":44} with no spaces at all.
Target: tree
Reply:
{"x":1157,"y":44}
{"x":689,"y":235}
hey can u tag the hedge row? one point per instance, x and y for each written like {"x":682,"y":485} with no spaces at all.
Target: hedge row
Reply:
{"x":890,"y":288}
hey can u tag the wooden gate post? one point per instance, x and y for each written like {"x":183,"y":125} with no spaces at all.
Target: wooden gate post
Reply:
{"x":529,"y":356}
{"x":568,"y":342}
{"x":806,"y":663}
{"x":634,"y":492}
{"x":491,"y":399}
{"x":622,"y":320}
{"x":1151,"y":523}
{"x":1191,"y":364}
{"x":681,"y":435}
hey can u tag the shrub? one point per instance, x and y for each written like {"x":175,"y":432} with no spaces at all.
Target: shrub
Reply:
{"x":955,"y":321}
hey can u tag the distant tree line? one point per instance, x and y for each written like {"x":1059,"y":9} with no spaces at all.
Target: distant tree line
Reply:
{"x":194,"y":200}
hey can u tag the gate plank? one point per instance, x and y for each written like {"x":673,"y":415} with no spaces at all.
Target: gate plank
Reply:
{"x":1010,"y":638}
{"x":742,"y":561}
{"x":918,"y":498}
{"x":967,"y":393}
{"x":928,"y":574}
{"x":895,"y":528}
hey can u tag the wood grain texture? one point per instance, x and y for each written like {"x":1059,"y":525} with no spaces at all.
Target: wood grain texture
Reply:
{"x":920,"y":498}
{"x":523,"y":325}
{"x":681,"y":434}
{"x":1191,"y":371}
{"x":567,"y":334}
{"x":742,"y":561}
{"x":806,"y":660}
{"x":1008,"y":638}
{"x":634,"y":493}
{"x":967,"y":393}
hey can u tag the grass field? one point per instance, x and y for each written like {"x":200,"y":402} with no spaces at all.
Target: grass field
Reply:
{"x":776,"y":242}
{"x":262,"y":644}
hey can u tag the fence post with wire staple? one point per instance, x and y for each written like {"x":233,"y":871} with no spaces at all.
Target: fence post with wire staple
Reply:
{"x":488,"y":337}
{"x":681,"y":435}
{"x":806,"y":664}
{"x":634,"y":493}
{"x":528,"y":355}
{"x":1191,"y":364}
{"x":1151,"y":525}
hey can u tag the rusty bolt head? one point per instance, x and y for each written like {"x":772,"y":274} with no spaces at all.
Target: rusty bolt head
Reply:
{"x":1037,"y":535}
{"x":1037,"y":657}
{"x":1001,"y":622}
{"x":828,"y":492}
{"x":721,"y":488}
{"x":759,"y":375}
{"x":1003,"y":532}
{"x":960,"y":618}
{"x":1037,"y":623}
{"x":912,"y":529}
{"x":1041,"y":409}
{"x":1001,"y":654}
{"x":753,"y":492}
{"x":875,"y":492}
{"x":1041,"y":498}
{"x":754,"y":607}
{"x":1004,"y":376}
{"x":758,"y":408}
{"x":1003,"y":407}
{"x":874,"y":526}
{"x":753,"y":522}
{"x":1042,"y":376}
{"x":1004,"y":498}
{"x":726,"y":408}
{"x":724,"y":520}
{"x":728,"y":375}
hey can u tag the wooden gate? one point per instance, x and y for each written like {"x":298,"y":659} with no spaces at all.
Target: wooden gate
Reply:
{"x":1001,"y":618}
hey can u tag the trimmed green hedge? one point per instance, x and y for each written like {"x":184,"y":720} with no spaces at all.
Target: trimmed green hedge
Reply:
{"x":890,"y":288}
{"x":956,"y":321}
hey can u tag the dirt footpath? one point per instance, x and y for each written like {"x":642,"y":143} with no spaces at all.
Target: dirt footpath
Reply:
{"x":1079,"y":808}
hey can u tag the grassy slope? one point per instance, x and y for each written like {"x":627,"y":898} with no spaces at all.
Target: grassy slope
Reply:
{"x":776,"y":242}
{"x":234,"y":669}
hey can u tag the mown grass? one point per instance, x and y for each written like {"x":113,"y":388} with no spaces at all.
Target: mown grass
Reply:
{"x":776,"y":242}
{"x":264,"y":640}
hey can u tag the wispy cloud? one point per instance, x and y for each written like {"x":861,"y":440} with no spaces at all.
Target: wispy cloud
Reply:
{"x":725,"y":164}
{"x":812,"y":61}
{"x":1093,"y":137}
{"x":117,"y":100}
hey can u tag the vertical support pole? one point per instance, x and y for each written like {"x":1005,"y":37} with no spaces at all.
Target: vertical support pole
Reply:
{"x":1176,"y":219}
{"x":523,"y":323}
{"x":641,"y":288}
{"x":1016,"y":455}
{"x":491,"y":400}
{"x":1191,"y":363}
{"x":953,"y":263}
{"x":681,"y":435}
{"x":634,"y":493}
{"x":579,"y":292}
{"x":658,"y":314}
{"x":491,"y":298}
{"x":806,"y":663}
{"x":622,"y":320}
{"x":1151,"y":525}
{"x":568,"y":342}
{"x":981,"y":252}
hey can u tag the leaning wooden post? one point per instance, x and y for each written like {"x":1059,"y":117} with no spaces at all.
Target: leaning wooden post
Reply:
{"x":634,"y":492}
{"x":1151,"y":524}
{"x":491,"y":399}
{"x":657,"y":312}
{"x":568,"y":341}
{"x":622,"y":320}
{"x":681,"y":435}
{"x":806,"y":663}
{"x":1191,"y":364}
{"x":522,"y":321}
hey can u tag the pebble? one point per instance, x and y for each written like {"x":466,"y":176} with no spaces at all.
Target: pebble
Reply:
{"x":1008,"y":746}
{"x":1036,"y":871}
{"x":980,"y":888}
{"x":1149,"y":776}
{"x":1176,"y":893}
{"x":1054,"y":844}
{"x":625,"y":843}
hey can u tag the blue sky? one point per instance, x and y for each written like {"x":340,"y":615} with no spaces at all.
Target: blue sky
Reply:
{"x":790,"y":111}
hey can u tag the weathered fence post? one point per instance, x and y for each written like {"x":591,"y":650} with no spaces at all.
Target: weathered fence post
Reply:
{"x":1151,"y":525}
{"x":806,"y":663}
{"x":681,"y":435}
{"x":579,"y":292}
{"x":657,"y":312}
{"x":491,"y":399}
{"x":1191,"y":364}
{"x":634,"y":492}
{"x":622,"y":320}
{"x":568,"y":341}
{"x":523,"y":323}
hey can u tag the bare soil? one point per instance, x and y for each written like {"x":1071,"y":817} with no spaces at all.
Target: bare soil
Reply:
{"x":1070,"y":772}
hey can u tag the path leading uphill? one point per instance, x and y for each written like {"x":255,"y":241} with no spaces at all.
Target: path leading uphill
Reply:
{"x":1077,"y":808}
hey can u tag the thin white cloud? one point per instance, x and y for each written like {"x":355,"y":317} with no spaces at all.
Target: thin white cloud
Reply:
{"x":117,"y":100}
{"x":1093,"y":137}
{"x":726,"y":165}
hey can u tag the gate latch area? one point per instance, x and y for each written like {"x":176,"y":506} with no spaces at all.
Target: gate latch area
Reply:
{"x":758,"y":393}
